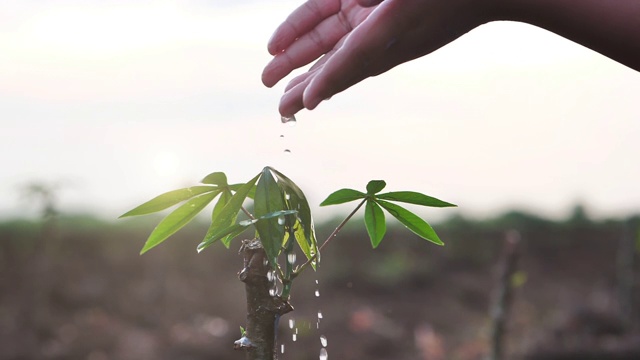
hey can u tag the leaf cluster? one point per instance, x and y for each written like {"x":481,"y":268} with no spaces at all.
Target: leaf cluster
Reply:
{"x":374,"y":203}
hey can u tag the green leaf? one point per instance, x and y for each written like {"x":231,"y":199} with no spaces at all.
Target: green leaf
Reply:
{"x":343,"y":196}
{"x":412,"y":221}
{"x":252,"y":192}
{"x":375,"y":186}
{"x":225,"y":234}
{"x":413,"y":197}
{"x":224,"y":199}
{"x":374,"y":221}
{"x":229,"y":212}
{"x":216,"y":178}
{"x":269,"y":198}
{"x":177,"y":219}
{"x":169,"y":199}
{"x":304,"y":230}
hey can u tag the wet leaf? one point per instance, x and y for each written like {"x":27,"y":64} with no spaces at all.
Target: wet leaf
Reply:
{"x":412,"y":221}
{"x":375,"y":186}
{"x":304,"y":229}
{"x":169,"y":199}
{"x":343,"y":196}
{"x":413,"y":197}
{"x":269,"y":199}
{"x":177,"y":219}
{"x":375,"y":223}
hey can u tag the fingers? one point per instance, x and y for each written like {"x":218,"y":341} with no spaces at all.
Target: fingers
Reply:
{"x":301,"y":20}
{"x":307,"y":48}
{"x":361,"y":56}
{"x":368,"y":3}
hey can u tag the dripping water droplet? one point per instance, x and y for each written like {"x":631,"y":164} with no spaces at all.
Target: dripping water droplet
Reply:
{"x":319,"y":315}
{"x":288,"y":120}
{"x":292,"y":323}
{"x":323,"y":340}
{"x":323,"y":354}
{"x":291,"y":258}
{"x":317,"y":293}
{"x":281,"y":220}
{"x":294,"y":337}
{"x":282,"y":348}
{"x":316,"y":281}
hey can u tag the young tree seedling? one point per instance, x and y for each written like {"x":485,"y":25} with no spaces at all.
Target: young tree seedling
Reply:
{"x":281,"y":218}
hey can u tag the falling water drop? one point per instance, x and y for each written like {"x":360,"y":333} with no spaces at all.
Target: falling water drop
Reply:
{"x":316,"y":281}
{"x":281,"y":220}
{"x":296,"y":331}
{"x":317,"y":293}
{"x":323,"y":340}
{"x":291,"y":258}
{"x":292,"y":323}
{"x":291,"y":121}
{"x":294,"y":337}
{"x":282,"y":348}
{"x":270,"y":276}
{"x":319,"y":314}
{"x":272,"y":292}
{"x":323,"y":354}
{"x":287,"y":196}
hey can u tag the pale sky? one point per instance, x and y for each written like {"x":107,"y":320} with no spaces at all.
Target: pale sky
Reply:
{"x":125,"y":100}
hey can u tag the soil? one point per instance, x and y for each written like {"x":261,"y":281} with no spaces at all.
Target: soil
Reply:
{"x":77,"y":289}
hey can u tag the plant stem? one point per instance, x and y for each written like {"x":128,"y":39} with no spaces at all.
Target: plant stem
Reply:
{"x":263,"y":309}
{"x":247,"y":213}
{"x":333,"y":235}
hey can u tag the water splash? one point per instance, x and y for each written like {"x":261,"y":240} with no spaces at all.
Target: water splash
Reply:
{"x":323,"y":354}
{"x":323,"y":340}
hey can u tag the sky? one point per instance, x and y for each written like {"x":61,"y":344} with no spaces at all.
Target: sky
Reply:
{"x":121,"y":101}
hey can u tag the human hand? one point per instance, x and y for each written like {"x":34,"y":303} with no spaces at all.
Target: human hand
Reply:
{"x":359,"y":39}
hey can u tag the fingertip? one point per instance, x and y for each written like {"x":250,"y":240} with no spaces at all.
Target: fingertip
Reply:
{"x":310,"y":98}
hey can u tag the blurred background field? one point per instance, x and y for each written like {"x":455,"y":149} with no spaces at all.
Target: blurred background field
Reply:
{"x":74,"y":287}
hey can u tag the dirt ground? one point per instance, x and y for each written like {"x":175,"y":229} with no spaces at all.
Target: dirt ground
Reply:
{"x":79,"y":290}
